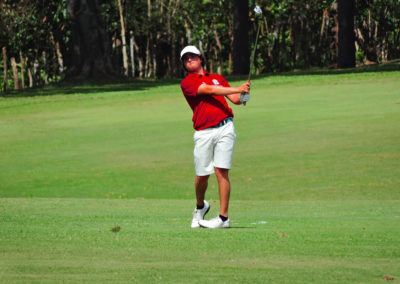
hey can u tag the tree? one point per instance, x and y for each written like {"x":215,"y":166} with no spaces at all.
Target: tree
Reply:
{"x":90,"y":44}
{"x":347,"y":50}
{"x":124,"y":52}
{"x":241,"y":52}
{"x":48,"y":39}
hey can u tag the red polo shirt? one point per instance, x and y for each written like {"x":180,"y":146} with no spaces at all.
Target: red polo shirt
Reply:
{"x":207,"y":110}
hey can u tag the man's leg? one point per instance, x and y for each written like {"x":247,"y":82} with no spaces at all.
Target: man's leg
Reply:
{"x":201,"y":183}
{"x":224,"y":190}
{"x":202,"y":206}
{"x":222,"y":220}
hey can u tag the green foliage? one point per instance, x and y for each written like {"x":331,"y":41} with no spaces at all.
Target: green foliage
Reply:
{"x":378,"y":25}
{"x":28,"y":26}
{"x":360,"y":57}
{"x":290,"y":38}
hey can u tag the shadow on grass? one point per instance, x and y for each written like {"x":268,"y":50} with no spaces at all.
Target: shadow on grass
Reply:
{"x":89,"y":86}
{"x":386,"y":67}
{"x":116,"y":84}
{"x":241,"y":227}
{"x":391,"y":66}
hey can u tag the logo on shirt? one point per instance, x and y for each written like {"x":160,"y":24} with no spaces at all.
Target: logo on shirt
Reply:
{"x":215,"y":81}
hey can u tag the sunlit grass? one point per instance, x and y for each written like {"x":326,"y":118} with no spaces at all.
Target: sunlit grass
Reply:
{"x":96,"y":184}
{"x":300,"y":137}
{"x":92,"y":240}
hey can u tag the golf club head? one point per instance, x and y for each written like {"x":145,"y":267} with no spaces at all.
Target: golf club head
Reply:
{"x":257,"y":10}
{"x":244,"y":98}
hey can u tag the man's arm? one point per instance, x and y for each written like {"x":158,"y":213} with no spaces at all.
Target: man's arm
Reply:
{"x":232,"y":93}
{"x":235,"y":98}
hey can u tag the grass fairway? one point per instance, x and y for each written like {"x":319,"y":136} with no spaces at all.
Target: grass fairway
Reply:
{"x":70,"y":240}
{"x":315,"y":184}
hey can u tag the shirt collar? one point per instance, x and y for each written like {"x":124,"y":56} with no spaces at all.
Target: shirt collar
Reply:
{"x":205,"y":74}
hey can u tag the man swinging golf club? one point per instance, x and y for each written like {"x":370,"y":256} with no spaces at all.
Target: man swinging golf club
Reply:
{"x":214,"y":138}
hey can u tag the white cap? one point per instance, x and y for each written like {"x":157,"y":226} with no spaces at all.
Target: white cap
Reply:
{"x":190,"y":49}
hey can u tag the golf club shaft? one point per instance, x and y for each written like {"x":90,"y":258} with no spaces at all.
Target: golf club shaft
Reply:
{"x":254,"y":51}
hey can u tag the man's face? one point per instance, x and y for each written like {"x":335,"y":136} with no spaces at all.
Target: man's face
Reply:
{"x":192,"y":62}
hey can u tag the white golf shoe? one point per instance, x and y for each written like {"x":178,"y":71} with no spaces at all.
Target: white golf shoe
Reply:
{"x":199,"y":214}
{"x":215,"y":223}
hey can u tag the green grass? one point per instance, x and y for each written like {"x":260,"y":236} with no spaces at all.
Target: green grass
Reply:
{"x":271,"y":241}
{"x":300,"y":137}
{"x":315,"y":184}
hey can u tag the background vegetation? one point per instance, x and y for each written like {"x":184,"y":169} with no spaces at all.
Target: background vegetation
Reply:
{"x":43,"y":36}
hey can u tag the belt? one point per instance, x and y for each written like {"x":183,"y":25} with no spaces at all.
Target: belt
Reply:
{"x":223,"y":122}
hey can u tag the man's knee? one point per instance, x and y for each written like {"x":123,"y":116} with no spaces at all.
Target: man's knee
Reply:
{"x":221,"y":173}
{"x":202,"y":179}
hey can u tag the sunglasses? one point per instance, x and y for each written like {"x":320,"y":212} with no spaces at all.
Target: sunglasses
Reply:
{"x":192,"y":57}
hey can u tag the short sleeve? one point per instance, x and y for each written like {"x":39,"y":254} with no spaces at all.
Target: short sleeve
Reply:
{"x":190,"y":86}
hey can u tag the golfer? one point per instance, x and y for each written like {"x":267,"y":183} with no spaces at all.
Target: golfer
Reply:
{"x":214,"y":138}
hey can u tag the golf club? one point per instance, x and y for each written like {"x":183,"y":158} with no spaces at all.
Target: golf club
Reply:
{"x":258,"y":11}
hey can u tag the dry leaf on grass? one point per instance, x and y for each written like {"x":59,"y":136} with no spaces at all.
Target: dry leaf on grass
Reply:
{"x":116,"y":229}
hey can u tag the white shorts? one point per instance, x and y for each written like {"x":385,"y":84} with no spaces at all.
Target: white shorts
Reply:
{"x":213,"y":148}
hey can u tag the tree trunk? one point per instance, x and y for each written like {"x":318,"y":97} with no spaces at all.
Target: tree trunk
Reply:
{"x":15,"y":73}
{"x":230,"y":33}
{"x":283,"y":48}
{"x":4,"y":51}
{"x":147,"y":69}
{"x":335,"y":30}
{"x":46,"y":68}
{"x":218,"y":53}
{"x":60,"y":61}
{"x":57,"y":57}
{"x":307,"y":47}
{"x":90,"y":44}
{"x":174,"y":60}
{"x":37,"y":79}
{"x":169,"y":32}
{"x":346,"y":34}
{"x":140,"y":61}
{"x":241,"y":51}
{"x":188,"y":33}
{"x":276,"y":46}
{"x":22,"y":70}
{"x":124,"y":53}
{"x":132,"y":52}
{"x":30,"y":77}
{"x":147,"y":72}
{"x":154,"y":70}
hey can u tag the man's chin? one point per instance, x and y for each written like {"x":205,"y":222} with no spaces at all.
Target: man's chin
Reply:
{"x":194,"y":70}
